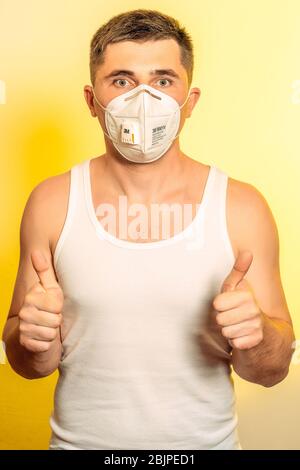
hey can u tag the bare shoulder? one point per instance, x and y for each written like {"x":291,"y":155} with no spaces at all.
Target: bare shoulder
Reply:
{"x":46,"y":207}
{"x":42,"y":220}
{"x":246,"y":198}
{"x":52,"y":187}
{"x":248,"y":212}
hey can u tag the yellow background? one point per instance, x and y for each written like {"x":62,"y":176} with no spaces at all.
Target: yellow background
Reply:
{"x":246,"y":122}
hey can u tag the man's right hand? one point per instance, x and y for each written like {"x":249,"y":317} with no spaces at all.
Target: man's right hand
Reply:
{"x":40,"y":315}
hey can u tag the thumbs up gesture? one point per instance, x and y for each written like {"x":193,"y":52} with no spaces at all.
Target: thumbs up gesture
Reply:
{"x":238,"y":314}
{"x":40,"y":315}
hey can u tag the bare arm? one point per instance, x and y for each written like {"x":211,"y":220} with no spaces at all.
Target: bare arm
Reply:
{"x":255,"y":317}
{"x":32,"y":333}
{"x":268,"y":362}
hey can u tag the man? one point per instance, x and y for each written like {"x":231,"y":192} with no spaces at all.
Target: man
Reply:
{"x":144,"y":326}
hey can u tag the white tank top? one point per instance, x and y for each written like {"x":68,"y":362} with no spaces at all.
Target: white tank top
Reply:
{"x":144,"y":365}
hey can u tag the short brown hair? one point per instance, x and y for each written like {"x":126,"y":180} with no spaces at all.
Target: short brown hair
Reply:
{"x":140,"y":25}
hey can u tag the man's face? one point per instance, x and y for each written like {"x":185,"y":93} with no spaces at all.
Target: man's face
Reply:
{"x":128,"y":64}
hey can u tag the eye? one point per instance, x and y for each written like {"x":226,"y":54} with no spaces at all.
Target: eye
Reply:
{"x":164,"y":80}
{"x":121,"y":82}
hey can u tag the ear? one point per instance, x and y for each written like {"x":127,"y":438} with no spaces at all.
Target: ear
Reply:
{"x":89,"y":98}
{"x":192,"y":101}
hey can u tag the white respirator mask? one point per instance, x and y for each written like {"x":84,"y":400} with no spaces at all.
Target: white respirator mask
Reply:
{"x":142,"y":123}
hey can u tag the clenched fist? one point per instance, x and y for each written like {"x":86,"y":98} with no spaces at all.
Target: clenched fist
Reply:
{"x":40,"y":316}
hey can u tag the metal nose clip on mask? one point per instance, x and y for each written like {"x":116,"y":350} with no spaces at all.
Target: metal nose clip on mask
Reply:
{"x":142,"y":123}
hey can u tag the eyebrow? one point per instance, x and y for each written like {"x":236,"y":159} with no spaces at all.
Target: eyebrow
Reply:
{"x":130,"y":73}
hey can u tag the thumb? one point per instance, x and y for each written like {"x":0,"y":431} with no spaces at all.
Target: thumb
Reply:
{"x":240,"y":268}
{"x":44,"y":269}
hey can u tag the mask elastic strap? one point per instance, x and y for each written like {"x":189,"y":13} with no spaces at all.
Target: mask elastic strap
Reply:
{"x":115,"y":141}
{"x":188,"y":95}
{"x":98,"y":101}
{"x":181,"y":106}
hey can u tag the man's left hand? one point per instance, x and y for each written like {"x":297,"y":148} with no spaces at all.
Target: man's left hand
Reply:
{"x":239,"y":315}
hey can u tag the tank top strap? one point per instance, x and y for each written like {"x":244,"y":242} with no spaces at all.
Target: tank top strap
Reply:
{"x":80,"y":174}
{"x":216,"y":209}
{"x":76,"y":209}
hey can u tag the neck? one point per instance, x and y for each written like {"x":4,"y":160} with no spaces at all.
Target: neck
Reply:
{"x":144,"y":181}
